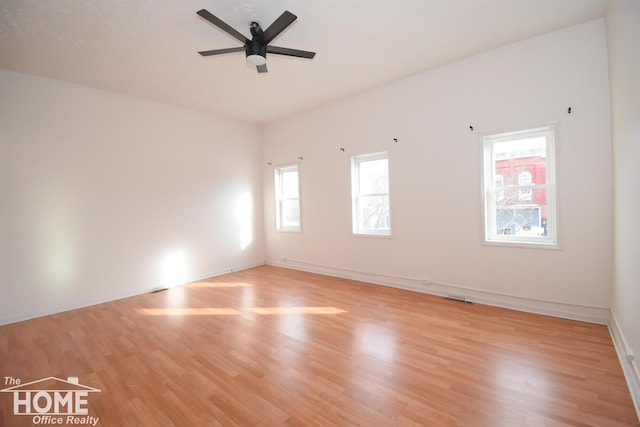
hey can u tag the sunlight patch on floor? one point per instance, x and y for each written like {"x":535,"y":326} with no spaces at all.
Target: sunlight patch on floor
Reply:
{"x":297,"y":310}
{"x":205,"y":284}
{"x":202,"y":311}
{"x":222,"y":311}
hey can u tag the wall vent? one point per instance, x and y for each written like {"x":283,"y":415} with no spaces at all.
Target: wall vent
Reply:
{"x":457,"y":298}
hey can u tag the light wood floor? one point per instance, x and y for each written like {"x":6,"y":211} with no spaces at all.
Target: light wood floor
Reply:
{"x":277,"y":347}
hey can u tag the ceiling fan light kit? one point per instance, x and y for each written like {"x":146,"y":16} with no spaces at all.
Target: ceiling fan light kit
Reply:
{"x":257,"y":48}
{"x":256,"y":59}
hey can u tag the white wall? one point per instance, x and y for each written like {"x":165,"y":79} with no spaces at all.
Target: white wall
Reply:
{"x":623,"y":36}
{"x":105,"y":196}
{"x":435,"y":176}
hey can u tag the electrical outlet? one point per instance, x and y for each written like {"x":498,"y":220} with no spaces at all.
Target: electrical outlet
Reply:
{"x":284,"y":259}
{"x":426,"y":282}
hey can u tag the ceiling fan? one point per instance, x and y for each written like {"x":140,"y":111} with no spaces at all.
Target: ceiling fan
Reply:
{"x":257,"y":48}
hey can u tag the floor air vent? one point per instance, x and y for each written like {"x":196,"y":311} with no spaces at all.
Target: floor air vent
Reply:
{"x":457,"y":298}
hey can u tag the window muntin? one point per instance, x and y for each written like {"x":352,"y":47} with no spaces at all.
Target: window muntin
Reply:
{"x":519,"y":187}
{"x":287,"y":198}
{"x":370,"y":194}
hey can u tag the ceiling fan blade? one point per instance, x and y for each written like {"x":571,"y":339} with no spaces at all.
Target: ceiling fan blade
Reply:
{"x":222,"y":25}
{"x":221,"y":51}
{"x":290,"y":52}
{"x":262,"y":68}
{"x":278,"y":26}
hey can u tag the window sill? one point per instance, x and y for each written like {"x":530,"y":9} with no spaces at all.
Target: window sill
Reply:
{"x":374,"y":235}
{"x":525,"y":245}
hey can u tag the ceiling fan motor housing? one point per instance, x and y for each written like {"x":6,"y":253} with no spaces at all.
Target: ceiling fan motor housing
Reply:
{"x":257,"y":45}
{"x":254,"y":48}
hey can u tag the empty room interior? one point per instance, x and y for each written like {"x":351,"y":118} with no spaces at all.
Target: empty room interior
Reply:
{"x":339,"y":213}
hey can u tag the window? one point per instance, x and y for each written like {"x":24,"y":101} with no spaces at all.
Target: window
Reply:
{"x":519,"y":187}
{"x":370,"y":194}
{"x":287,"y":199}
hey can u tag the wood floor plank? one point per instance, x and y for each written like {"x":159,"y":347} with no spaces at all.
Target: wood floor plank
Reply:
{"x":278,"y":347}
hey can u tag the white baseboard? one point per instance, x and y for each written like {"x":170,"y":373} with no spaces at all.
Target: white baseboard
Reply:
{"x":598,"y":315}
{"x":629,"y":365}
{"x":60,"y":309}
{"x":114,"y":297}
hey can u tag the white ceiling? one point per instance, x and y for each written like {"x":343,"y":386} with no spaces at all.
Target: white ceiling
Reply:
{"x":148,"y":48}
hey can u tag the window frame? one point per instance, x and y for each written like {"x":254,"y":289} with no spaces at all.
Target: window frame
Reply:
{"x":280,"y":199}
{"x":356,"y":227}
{"x":491,"y":234}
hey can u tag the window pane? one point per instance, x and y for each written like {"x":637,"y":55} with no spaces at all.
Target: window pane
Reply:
{"x":525,"y":178}
{"x":523,"y":147}
{"x":290,"y":184}
{"x":499,"y":180}
{"x":523,"y":219}
{"x":290,"y":213}
{"x":374,"y":177}
{"x":374,"y":212}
